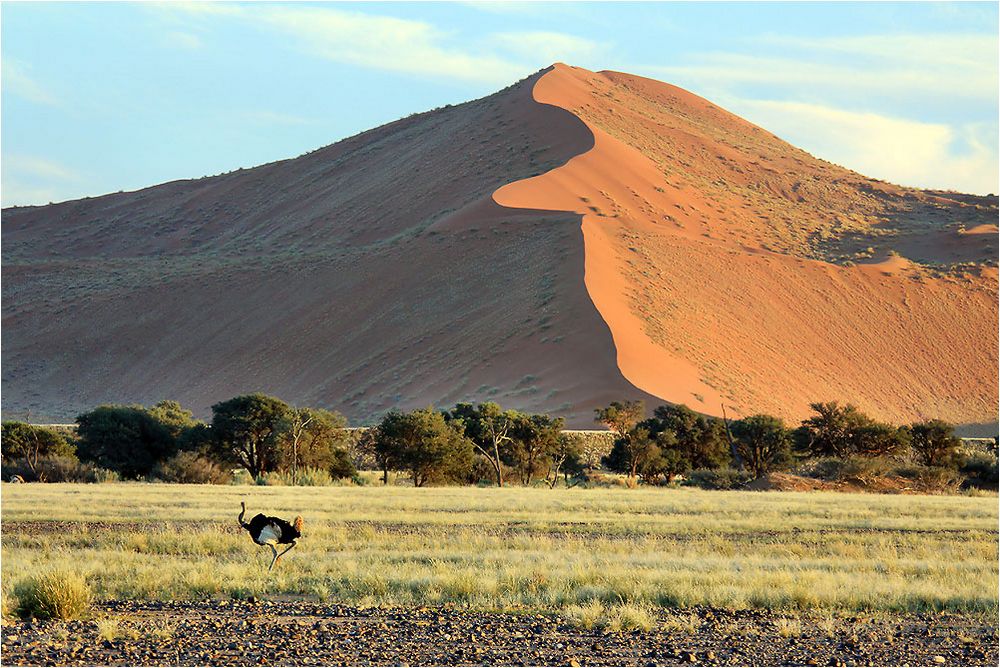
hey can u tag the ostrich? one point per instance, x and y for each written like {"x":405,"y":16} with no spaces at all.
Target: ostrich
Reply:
{"x":272,"y":531}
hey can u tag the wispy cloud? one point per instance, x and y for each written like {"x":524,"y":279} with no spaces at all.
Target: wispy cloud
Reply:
{"x":27,"y":165}
{"x":28,"y":179}
{"x":549,"y":47}
{"x":17,"y":80}
{"x":369,"y":40}
{"x":399,"y":45}
{"x":913,"y":153}
{"x":849,"y":99}
{"x":385,"y":42}
{"x":904,"y":66}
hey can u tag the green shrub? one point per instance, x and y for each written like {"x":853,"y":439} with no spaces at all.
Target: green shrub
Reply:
{"x":863,"y":469}
{"x":192,"y":468}
{"x":944,"y":478}
{"x":57,"y":469}
{"x":980,"y":471}
{"x":727,"y":478}
{"x":53,"y":595}
{"x":341,"y":465}
{"x":934,"y":443}
{"x":825,"y":468}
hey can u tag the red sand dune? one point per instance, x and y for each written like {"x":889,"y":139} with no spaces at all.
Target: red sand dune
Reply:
{"x":573,"y":239}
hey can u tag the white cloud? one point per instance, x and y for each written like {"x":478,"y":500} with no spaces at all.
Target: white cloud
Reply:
{"x":977,"y":51}
{"x":899,"y":150}
{"x":368,"y":40}
{"x":924,"y":64}
{"x":27,"y":165}
{"x":853,"y":99}
{"x":16,"y":80}
{"x":546,"y":48}
{"x":13,"y":193}
{"x":29,"y":179}
{"x":384,"y":42}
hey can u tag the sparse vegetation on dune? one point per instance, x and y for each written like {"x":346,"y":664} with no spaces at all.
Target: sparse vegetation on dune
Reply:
{"x":575,"y":550}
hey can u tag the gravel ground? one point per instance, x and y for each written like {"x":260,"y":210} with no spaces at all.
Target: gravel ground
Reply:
{"x":302,"y":633}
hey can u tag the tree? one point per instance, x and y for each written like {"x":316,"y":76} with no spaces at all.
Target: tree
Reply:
{"x":314,"y":438}
{"x":667,"y":459}
{"x":20,"y":440}
{"x":249,"y":429}
{"x":387,"y":442}
{"x":934,"y":442}
{"x":834,"y":430}
{"x":631,"y":452}
{"x":763,"y":442}
{"x":423,"y":443}
{"x":535,"y":438}
{"x":566,"y":457}
{"x":699,"y":439}
{"x":126,"y":439}
{"x":174,"y":417}
{"x":489,"y":427}
{"x":620,"y":416}
{"x":841,"y":431}
{"x":880,"y":439}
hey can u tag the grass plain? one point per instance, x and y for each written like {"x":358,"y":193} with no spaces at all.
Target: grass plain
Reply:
{"x":587,"y":554}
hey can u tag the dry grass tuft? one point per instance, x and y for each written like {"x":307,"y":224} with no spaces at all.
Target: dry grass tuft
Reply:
{"x":53,"y":595}
{"x":788,"y":628}
{"x":688,"y":624}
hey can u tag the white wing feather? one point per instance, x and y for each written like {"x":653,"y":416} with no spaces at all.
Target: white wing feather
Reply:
{"x":269,"y":534}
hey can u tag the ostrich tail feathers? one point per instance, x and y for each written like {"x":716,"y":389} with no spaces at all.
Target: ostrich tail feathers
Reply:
{"x":298,"y":523}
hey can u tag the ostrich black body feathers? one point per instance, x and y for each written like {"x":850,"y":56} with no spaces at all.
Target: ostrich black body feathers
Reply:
{"x":271,"y":531}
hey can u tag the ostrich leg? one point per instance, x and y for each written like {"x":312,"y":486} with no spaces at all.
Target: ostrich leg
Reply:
{"x":285,"y":551}
{"x":274,"y":558}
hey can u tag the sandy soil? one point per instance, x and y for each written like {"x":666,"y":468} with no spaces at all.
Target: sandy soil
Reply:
{"x":699,"y":233}
{"x":576,"y":238}
{"x":302,"y":633}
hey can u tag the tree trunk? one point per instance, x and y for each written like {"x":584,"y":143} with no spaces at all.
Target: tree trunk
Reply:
{"x":497,"y":463}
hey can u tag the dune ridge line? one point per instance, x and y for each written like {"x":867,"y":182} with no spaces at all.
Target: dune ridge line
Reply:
{"x":571,"y":188}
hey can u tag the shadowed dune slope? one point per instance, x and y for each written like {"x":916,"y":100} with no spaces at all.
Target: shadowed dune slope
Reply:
{"x":576,"y":238}
{"x":371,"y":274}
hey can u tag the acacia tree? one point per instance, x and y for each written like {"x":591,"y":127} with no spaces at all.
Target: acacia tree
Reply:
{"x":423,"y":443}
{"x":249,"y":428}
{"x":126,"y":439}
{"x":841,"y":431}
{"x":620,"y":416}
{"x":934,"y":442}
{"x":535,"y":438}
{"x":21,"y":440}
{"x":316,"y":438}
{"x":700,"y":440}
{"x":489,"y":427}
{"x":174,"y":417}
{"x":631,"y":452}
{"x":763,"y":442}
{"x":566,"y":457}
{"x":833,"y":431}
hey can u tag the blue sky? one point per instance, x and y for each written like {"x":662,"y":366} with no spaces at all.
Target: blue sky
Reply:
{"x":104,"y":97}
